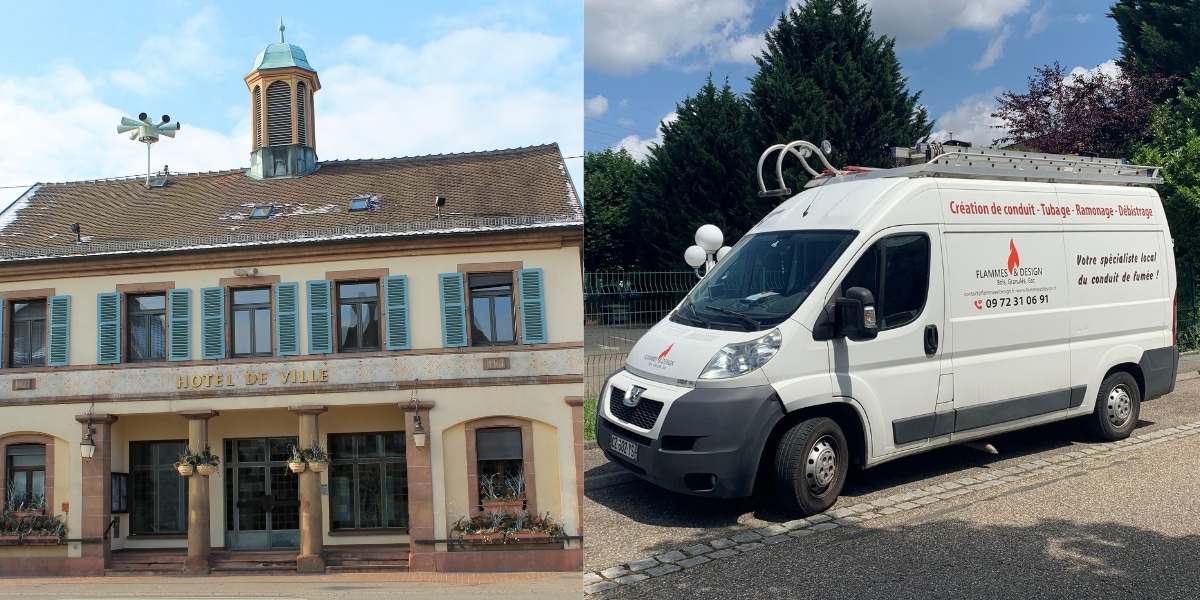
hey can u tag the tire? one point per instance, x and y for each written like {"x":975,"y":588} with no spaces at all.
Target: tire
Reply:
{"x":1118,"y":405}
{"x":810,"y":466}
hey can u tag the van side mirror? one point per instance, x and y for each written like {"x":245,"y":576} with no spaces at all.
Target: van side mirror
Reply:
{"x":855,"y":316}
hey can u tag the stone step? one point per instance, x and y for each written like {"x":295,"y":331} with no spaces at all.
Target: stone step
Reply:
{"x":367,"y":568}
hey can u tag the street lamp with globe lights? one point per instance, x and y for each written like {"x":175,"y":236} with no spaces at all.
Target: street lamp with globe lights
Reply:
{"x":708,"y":249}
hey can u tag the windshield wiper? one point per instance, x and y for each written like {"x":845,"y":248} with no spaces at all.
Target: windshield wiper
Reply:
{"x":692,"y":305}
{"x":756,"y":324}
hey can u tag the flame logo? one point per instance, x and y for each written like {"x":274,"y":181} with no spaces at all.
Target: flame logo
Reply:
{"x":1014,"y":259}
{"x":664,"y":352}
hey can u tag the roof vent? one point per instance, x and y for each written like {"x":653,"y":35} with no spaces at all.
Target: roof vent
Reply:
{"x":262,"y":211}
{"x":158,"y":183}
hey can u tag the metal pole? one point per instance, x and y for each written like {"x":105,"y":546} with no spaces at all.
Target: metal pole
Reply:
{"x":147,"y":164}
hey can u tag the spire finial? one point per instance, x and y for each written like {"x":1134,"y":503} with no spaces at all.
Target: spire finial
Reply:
{"x":281,"y":28}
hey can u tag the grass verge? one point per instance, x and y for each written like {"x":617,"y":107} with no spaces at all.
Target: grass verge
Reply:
{"x":589,"y":419}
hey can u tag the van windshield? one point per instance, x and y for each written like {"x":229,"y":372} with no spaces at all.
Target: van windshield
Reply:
{"x":763,"y":279}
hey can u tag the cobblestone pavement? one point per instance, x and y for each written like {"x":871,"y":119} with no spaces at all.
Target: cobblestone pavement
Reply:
{"x":1058,"y":466}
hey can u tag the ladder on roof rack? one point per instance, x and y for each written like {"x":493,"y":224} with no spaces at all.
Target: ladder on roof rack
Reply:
{"x":968,"y":163}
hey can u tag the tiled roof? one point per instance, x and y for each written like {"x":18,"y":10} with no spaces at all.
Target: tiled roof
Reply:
{"x":502,"y":189}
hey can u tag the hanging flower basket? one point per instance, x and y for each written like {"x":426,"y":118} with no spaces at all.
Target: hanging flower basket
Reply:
{"x":206,"y":470}
{"x":296,"y":466}
{"x":184,"y":469}
{"x":317,"y":467}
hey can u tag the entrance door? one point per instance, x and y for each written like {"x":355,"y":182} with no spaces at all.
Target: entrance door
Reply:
{"x":262,"y":495}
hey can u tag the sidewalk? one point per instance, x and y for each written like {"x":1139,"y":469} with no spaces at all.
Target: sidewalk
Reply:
{"x":507,"y":586}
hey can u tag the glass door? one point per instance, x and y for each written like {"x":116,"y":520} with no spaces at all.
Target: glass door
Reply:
{"x":262,"y":495}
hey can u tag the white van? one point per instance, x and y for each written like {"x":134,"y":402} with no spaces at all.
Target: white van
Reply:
{"x":880,"y":314}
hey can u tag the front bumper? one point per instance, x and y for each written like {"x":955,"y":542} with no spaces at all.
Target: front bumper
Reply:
{"x":708,"y":441}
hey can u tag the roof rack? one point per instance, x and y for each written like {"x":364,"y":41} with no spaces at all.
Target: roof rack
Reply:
{"x":966,"y":163}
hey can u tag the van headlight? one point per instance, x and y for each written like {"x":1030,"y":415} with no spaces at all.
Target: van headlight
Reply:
{"x":739,"y":359}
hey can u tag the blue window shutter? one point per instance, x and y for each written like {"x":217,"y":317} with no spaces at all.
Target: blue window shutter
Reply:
{"x":287,"y":318}
{"x":179,"y":313}
{"x":533,"y":306}
{"x":58,"y":344}
{"x":454,"y":310}
{"x":212,"y":322}
{"x":320,"y":326}
{"x":108,"y":319}
{"x":395,"y":295}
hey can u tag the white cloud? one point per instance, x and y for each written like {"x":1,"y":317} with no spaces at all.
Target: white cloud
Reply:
{"x":66,"y":134}
{"x":467,"y":91}
{"x":918,"y":23}
{"x":595,"y":106}
{"x":639,"y":147}
{"x":1108,"y":67}
{"x":1038,"y":21}
{"x":995,"y":50}
{"x":623,"y":37}
{"x":170,"y":59}
{"x":972,"y":120}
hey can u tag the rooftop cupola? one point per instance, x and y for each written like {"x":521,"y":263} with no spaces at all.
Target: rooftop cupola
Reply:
{"x":281,"y":85}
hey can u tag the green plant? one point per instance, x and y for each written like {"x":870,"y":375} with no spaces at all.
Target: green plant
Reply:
{"x":208,"y":458}
{"x":189,"y":458}
{"x":499,"y":526}
{"x":317,"y":453}
{"x":297,"y":455}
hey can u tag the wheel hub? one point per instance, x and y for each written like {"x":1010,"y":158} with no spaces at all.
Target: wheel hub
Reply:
{"x":1119,"y":405}
{"x":820,"y":466}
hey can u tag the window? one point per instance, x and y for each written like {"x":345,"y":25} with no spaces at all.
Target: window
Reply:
{"x":368,"y":481}
{"x":358,"y":316}
{"x":493,"y":318}
{"x":159,"y":495}
{"x":251,"y":314}
{"x":147,"y":319}
{"x":261,"y":211}
{"x":901,"y":288}
{"x":28,"y":335}
{"x":499,"y":452}
{"x":26,"y":480}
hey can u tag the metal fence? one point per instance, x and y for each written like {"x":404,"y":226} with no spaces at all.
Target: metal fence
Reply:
{"x":618,"y":308}
{"x":1187,"y":322}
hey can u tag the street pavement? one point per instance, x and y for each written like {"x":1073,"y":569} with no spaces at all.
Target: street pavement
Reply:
{"x":514,"y":586}
{"x":1054,"y":515}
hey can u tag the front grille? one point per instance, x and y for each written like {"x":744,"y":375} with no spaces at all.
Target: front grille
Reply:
{"x":644,"y":415}
{"x":632,"y":436}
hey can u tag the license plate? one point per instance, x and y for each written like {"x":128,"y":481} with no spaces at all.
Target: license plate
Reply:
{"x":625,"y":448}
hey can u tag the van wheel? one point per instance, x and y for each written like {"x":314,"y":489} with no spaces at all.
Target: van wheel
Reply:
{"x":1117,"y":407}
{"x":810,"y":466}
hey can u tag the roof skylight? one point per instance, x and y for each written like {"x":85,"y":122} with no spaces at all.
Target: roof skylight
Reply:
{"x":261,"y":211}
{"x":363,"y":202}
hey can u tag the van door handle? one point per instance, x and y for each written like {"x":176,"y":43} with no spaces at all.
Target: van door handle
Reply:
{"x":931,"y":340}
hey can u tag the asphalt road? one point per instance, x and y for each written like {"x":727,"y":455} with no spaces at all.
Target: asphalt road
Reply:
{"x":635,"y":520}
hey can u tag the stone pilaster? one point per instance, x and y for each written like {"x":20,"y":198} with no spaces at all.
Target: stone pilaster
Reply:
{"x":198,"y":561}
{"x":312,"y":528}
{"x":97,"y":487}
{"x":420,"y":487}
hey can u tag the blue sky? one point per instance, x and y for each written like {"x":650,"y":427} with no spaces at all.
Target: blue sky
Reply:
{"x":398,"y":79}
{"x":645,"y":56}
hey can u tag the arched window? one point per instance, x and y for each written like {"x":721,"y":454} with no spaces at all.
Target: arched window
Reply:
{"x":301,"y":121}
{"x":258,"y":138}
{"x":279,"y":114}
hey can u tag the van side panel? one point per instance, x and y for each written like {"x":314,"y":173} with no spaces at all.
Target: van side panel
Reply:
{"x":1121,"y":283}
{"x":1008,"y":306}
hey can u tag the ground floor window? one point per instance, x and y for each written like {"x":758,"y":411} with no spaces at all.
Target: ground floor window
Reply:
{"x":368,"y":481}
{"x":26,"y":480}
{"x":501,"y":462}
{"x":158,"y":498}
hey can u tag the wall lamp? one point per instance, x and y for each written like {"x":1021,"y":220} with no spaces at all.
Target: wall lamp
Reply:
{"x":87,"y":448}
{"x":418,"y":433}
